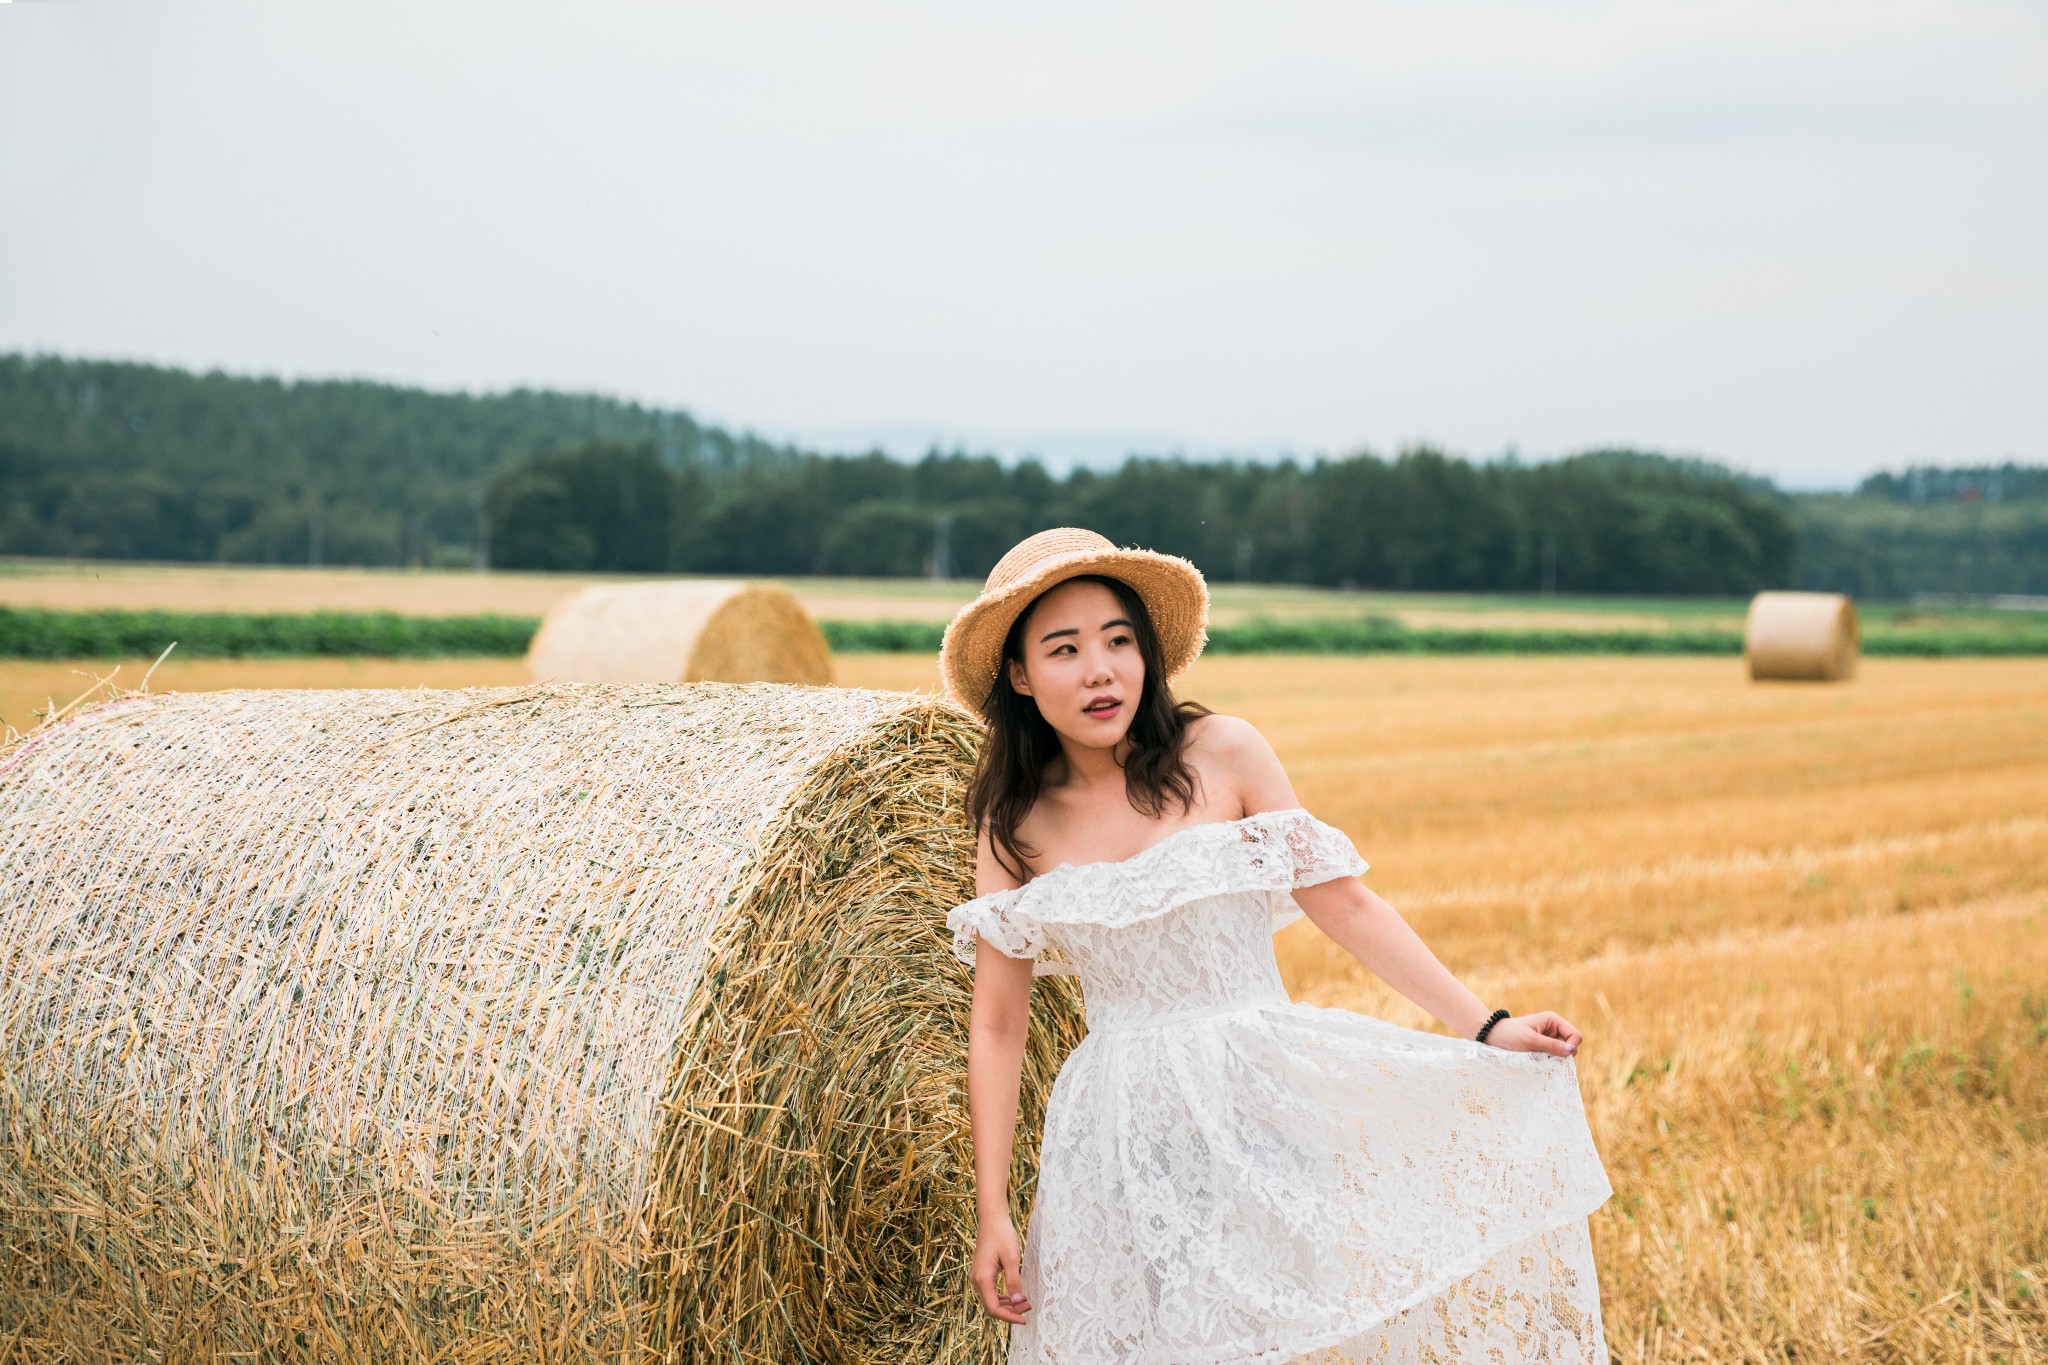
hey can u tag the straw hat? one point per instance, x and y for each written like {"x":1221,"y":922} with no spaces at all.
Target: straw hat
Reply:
{"x":1171,"y":588}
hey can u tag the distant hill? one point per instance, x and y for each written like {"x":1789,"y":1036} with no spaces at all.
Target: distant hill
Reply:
{"x":113,"y":460}
{"x":108,"y":459}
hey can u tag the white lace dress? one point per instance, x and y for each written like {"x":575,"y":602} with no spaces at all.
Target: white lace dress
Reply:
{"x":1229,"y":1178}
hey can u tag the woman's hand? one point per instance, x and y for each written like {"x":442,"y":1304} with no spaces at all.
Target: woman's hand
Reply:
{"x":997,"y":1256}
{"x":1542,"y":1032}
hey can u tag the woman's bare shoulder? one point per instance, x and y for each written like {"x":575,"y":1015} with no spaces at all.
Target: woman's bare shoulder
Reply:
{"x":990,"y":876}
{"x":1223,"y":734}
{"x":1227,"y":743}
{"x":1233,"y":757}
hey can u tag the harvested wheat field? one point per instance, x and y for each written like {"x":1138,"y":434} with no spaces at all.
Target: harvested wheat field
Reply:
{"x":1805,"y":929}
{"x":102,"y":585}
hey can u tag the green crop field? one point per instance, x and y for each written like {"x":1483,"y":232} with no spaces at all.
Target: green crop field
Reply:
{"x":73,"y":608}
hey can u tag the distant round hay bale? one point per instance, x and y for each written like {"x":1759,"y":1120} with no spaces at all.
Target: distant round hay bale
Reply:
{"x":679,"y":631}
{"x":557,"y":1023}
{"x":1801,"y":637}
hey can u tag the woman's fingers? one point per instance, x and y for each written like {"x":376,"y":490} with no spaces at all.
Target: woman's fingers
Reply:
{"x":1001,"y":1289}
{"x":1569,"y":1034}
{"x":994,"y":1302}
{"x":1554,"y":1035}
{"x":1013,"y":1285}
{"x":1542,"y":1032}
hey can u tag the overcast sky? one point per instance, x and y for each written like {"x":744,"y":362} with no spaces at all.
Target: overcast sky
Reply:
{"x":1804,"y":238}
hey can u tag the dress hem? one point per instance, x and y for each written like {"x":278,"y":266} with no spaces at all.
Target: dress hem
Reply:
{"x":1284,"y":1353}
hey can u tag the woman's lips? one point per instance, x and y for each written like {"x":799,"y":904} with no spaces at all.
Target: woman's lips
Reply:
{"x":1101,"y":710}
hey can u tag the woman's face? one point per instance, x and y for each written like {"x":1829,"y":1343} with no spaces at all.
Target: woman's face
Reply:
{"x":1081,"y":663}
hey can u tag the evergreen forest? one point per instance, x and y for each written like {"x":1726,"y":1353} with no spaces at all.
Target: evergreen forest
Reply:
{"x":105,"y":459}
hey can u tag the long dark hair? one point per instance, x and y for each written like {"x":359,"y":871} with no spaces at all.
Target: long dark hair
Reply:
{"x":1011,"y":770}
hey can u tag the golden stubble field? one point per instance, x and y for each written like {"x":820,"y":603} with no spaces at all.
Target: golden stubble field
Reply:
{"x":103,"y":585}
{"x":1805,"y":930}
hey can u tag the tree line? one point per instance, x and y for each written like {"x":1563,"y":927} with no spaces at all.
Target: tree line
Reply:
{"x":116,"y":460}
{"x":1610,"y":521}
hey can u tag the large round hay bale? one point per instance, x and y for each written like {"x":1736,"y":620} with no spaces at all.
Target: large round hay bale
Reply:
{"x":558,"y":1023}
{"x":1800,"y":637}
{"x":679,"y":631}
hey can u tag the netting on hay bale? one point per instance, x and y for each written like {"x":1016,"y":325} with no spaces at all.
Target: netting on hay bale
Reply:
{"x":557,"y":1023}
{"x":1800,"y":637}
{"x":679,"y":631}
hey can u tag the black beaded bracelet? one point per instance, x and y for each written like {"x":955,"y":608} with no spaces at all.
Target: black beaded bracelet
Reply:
{"x":1487,"y":1027}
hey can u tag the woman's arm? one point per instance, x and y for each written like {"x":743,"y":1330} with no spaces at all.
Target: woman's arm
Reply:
{"x":996,"y":1032}
{"x":1373,"y":932}
{"x":995,"y":1066}
{"x":1367,"y":927}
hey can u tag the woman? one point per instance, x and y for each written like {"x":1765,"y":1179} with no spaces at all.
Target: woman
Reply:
{"x":1226,"y":1177}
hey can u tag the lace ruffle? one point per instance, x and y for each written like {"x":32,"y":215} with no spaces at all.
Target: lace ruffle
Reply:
{"x":1273,"y":851}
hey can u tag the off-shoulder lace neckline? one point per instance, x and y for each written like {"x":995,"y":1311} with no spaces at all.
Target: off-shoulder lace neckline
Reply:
{"x":1144,"y":852}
